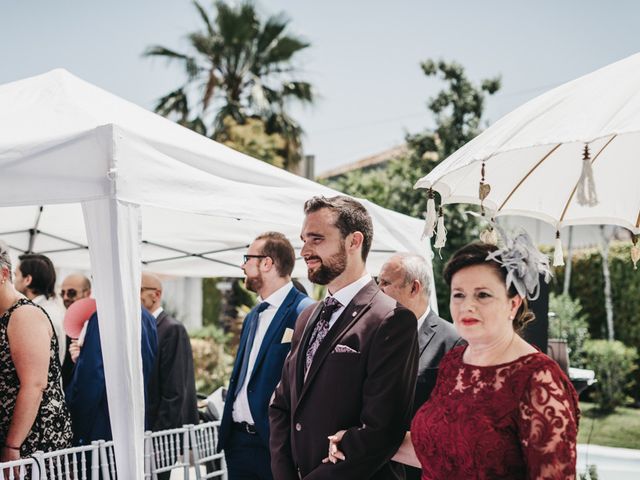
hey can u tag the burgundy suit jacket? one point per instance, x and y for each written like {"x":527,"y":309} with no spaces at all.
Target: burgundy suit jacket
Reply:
{"x":368,"y":391}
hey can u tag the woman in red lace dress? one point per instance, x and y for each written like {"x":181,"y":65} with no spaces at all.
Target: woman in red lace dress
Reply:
{"x":501,"y":409}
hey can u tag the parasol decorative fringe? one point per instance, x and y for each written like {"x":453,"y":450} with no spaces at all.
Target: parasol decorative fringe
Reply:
{"x":483,"y":189}
{"x":441,"y":232}
{"x":431,"y":218}
{"x":489,"y":236}
{"x":635,"y":252}
{"x":558,"y":254}
{"x":586,"y":192}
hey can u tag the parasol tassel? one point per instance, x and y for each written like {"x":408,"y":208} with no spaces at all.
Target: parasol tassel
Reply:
{"x":586,"y":192}
{"x":558,"y":255}
{"x":441,"y":232}
{"x":489,"y":236}
{"x":635,"y":252}
{"x":431,"y":218}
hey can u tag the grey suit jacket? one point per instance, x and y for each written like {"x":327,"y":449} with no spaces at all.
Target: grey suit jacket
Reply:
{"x":435,"y":338}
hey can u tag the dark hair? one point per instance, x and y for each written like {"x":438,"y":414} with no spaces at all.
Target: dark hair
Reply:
{"x":351,"y":217}
{"x":476,"y":253}
{"x":43,"y":274}
{"x":279,"y":249}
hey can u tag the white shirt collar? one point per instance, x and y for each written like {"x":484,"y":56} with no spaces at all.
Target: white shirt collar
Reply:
{"x":423,"y":317}
{"x":39,"y":299}
{"x":156,"y":313}
{"x":346,"y":294}
{"x":277,"y":297}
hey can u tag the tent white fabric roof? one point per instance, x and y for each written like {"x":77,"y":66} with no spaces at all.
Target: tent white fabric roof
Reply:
{"x":112,"y":174}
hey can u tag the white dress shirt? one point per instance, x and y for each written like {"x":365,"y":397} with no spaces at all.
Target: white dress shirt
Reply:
{"x":241,"y":410}
{"x":346,"y":294}
{"x":55,"y":309}
{"x":156,"y":313}
{"x":423,"y":317}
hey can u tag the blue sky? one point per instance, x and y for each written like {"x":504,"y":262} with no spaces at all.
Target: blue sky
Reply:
{"x":364,"y":59}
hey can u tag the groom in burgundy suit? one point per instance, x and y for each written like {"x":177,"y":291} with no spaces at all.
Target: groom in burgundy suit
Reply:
{"x":353,"y":359}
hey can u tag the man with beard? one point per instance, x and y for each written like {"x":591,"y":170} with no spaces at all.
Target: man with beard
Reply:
{"x":264,"y":344}
{"x":353,"y":360}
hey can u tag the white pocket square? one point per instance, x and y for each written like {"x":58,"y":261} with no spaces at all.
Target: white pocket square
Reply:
{"x":287,"y":335}
{"x":344,"y":349}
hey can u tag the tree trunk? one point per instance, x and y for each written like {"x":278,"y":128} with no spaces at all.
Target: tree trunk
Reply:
{"x":608,"y":304}
{"x":567,"y":268}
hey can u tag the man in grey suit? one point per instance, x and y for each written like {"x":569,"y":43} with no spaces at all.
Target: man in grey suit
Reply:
{"x":405,"y":278}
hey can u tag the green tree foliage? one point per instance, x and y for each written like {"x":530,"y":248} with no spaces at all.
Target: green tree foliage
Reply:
{"x":239,"y":66}
{"x":457,"y":112}
{"x":212,"y":358}
{"x":569,"y":323}
{"x":614,"y":364}
{"x":587,"y":285}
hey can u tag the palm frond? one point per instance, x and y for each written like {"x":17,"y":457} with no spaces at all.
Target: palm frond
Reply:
{"x":205,"y":18}
{"x":284,"y":49}
{"x":302,"y":91}
{"x":175,"y":102}
{"x":272,"y":29}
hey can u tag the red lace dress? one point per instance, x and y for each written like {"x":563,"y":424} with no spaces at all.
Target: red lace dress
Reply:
{"x":517,"y":420}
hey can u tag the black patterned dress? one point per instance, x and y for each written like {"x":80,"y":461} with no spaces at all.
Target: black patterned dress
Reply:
{"x":51,"y":429}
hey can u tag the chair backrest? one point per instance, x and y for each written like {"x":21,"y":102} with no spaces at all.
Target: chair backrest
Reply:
{"x":559,"y":351}
{"x":19,"y":469}
{"x":107,"y":460}
{"x":78,"y":463}
{"x":166,"y":450}
{"x":204,"y":446}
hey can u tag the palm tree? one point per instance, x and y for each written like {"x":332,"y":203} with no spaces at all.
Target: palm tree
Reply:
{"x":239,"y":67}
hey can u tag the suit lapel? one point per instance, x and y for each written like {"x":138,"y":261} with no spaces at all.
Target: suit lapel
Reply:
{"x":426,"y":332}
{"x":304,"y":343}
{"x":351,"y":314}
{"x":242,"y":347}
{"x":274,"y":329}
{"x":161,"y":317}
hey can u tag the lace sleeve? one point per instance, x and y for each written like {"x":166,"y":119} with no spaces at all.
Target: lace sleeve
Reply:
{"x":548,"y":425}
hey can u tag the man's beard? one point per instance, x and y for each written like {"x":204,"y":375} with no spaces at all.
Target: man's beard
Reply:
{"x":330,"y":268}
{"x":254,"y":283}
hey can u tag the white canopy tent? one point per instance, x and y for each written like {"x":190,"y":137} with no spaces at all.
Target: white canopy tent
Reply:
{"x":121,"y":185}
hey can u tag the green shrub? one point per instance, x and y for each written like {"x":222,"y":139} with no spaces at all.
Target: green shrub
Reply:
{"x":613,"y":363}
{"x":211,"y":357}
{"x":587,"y":285}
{"x":569,"y":323}
{"x":590,"y":474}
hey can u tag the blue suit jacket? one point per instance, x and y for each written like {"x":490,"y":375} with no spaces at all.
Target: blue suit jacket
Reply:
{"x":268,"y":366}
{"x":86,"y":394}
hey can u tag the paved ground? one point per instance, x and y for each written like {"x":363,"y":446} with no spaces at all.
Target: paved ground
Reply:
{"x":612,"y":463}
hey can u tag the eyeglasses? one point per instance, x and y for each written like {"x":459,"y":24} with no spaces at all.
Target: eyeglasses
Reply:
{"x":71,"y":293}
{"x":142,"y":289}
{"x":246,"y":258}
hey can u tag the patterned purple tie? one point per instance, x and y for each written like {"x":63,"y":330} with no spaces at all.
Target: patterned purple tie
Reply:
{"x":320,"y":330}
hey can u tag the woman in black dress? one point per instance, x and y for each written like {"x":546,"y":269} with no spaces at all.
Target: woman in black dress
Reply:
{"x":33,"y":413}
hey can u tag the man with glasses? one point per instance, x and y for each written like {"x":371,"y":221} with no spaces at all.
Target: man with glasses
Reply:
{"x":74,"y":287}
{"x":86,"y":393}
{"x":264,"y":344}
